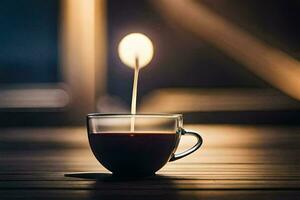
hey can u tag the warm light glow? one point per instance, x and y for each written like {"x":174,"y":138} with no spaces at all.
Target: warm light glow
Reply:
{"x":135,"y":46}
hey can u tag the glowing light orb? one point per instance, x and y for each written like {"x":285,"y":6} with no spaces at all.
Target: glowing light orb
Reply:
{"x":135,"y":46}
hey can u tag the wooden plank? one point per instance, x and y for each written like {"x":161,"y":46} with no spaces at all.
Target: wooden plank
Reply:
{"x":237,"y":161}
{"x":146,"y":195}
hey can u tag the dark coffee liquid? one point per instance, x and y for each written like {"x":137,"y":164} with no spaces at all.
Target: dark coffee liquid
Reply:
{"x":133,"y":153}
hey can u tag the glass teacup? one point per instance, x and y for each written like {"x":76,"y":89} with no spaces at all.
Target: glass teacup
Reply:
{"x":137,"y":145}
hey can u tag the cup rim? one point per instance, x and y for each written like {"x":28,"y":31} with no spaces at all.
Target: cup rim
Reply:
{"x":122,"y":115}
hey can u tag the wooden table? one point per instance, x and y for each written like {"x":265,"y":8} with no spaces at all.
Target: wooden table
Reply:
{"x":235,"y":162}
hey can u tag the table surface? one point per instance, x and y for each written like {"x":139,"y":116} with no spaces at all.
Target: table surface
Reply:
{"x":235,"y":162}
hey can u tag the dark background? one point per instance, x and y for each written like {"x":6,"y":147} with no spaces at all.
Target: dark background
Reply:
{"x":183,"y":61}
{"x":29,"y":51}
{"x":29,"y":41}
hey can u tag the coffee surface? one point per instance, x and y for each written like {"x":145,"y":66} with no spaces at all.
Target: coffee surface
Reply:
{"x":133,"y":153}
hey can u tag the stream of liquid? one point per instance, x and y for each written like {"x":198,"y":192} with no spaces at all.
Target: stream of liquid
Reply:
{"x":134,"y":94}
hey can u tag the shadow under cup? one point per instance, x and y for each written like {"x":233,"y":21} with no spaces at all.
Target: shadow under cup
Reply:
{"x":136,"y":145}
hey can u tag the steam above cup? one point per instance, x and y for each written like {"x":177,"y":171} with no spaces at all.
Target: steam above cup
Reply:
{"x":135,"y":46}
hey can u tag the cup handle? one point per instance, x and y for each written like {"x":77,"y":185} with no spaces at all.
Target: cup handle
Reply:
{"x":177,"y":156}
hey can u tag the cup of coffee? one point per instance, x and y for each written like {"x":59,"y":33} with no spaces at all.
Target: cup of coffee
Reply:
{"x":137,"y":145}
